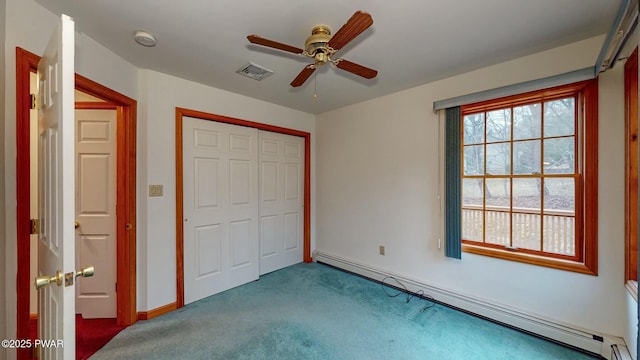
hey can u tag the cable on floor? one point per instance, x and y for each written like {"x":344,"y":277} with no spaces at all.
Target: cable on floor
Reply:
{"x":402,"y":289}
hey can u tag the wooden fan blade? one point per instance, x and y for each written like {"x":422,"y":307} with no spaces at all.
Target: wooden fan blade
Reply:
{"x":303,"y":76}
{"x":359,"y":22}
{"x":255,"y":39}
{"x":357,"y":69}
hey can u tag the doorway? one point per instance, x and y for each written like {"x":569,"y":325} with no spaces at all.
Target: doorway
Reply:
{"x":125,"y":107}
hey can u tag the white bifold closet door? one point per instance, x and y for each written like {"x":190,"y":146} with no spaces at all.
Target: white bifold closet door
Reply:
{"x":230,"y":174}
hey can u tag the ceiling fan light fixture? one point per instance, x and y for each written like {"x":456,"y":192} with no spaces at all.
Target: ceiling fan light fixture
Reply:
{"x":145,"y":38}
{"x":320,"y":36}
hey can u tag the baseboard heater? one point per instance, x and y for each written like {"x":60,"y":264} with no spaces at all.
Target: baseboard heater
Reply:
{"x":620,"y":352}
{"x":572,"y":336}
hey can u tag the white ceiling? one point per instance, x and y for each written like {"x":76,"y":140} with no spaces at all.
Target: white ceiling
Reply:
{"x":411,"y":42}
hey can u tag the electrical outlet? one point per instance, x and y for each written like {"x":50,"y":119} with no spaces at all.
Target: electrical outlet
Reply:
{"x":381,"y":249}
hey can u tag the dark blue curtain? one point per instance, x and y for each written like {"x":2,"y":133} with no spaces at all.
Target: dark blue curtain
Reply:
{"x":453,"y":245}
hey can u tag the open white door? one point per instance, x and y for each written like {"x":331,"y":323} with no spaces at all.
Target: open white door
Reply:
{"x":56,"y":245}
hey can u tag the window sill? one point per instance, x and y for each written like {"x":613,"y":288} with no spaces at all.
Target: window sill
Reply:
{"x":531,"y":259}
{"x":632,"y":288}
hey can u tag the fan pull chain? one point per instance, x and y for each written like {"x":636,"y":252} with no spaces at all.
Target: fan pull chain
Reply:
{"x":315,"y":82}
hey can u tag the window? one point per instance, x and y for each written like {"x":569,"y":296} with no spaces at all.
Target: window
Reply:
{"x":631,"y":172}
{"x":529,"y":177}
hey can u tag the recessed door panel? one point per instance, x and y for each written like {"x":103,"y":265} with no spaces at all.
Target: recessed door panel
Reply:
{"x":269,"y":181}
{"x":268,"y":235}
{"x":240,"y":143}
{"x":291,"y":231}
{"x":292,"y":183}
{"x":93,"y":170}
{"x":241,"y":243}
{"x":203,"y":139}
{"x":240,"y":181}
{"x":208,"y":250}
{"x":206,"y":182}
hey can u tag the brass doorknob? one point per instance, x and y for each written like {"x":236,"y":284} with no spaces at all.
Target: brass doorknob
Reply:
{"x":44,"y":281}
{"x":86,"y":272}
{"x":76,"y":224}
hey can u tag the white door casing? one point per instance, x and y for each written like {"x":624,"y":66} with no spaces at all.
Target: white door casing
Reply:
{"x":56,"y":246}
{"x":96,"y":158}
{"x":281,"y":200}
{"x":220,"y":174}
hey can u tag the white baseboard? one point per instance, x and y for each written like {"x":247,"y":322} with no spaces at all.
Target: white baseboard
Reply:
{"x":592,"y":341}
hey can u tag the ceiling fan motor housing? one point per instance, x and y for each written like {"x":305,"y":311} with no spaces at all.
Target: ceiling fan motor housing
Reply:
{"x":316,"y":44}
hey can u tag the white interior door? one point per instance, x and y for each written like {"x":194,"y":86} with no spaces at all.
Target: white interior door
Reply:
{"x":56,"y":247}
{"x":96,"y":212}
{"x":281,"y":200}
{"x":220,"y":174}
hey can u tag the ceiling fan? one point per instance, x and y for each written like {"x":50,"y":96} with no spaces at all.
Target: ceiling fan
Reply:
{"x":321,"y":46}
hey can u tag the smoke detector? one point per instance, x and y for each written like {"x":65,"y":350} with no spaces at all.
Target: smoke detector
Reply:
{"x":144,"y":38}
{"x":254,"y":71}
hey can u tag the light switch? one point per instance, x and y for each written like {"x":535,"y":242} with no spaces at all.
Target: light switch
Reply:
{"x":156,"y":190}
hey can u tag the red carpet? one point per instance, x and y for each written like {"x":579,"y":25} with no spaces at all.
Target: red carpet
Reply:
{"x":91,"y":334}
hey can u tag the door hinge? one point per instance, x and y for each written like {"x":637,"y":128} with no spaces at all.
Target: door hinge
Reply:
{"x":35,"y":226}
{"x":34,"y":101}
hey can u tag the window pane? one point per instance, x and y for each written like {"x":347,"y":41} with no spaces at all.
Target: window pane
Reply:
{"x":526,"y":231}
{"x":559,"y":234}
{"x":527,"y":121}
{"x":472,"y":194}
{"x":559,"y":116}
{"x":526,"y":195}
{"x":498,"y":227}
{"x":559,"y":156}
{"x":559,"y":196}
{"x":498,"y":159}
{"x":472,"y":224}
{"x":498,"y":194}
{"x":473,"y":160}
{"x":499,"y":125}
{"x":526,"y":157}
{"x":473,"y":129}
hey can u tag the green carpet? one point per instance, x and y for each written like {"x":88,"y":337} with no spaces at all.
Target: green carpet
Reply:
{"x":313,"y":311}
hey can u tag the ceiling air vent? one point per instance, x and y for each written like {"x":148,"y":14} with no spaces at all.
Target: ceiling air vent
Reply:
{"x":254,"y":71}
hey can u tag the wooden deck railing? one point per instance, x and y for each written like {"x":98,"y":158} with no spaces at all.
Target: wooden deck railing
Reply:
{"x":557,"y":228}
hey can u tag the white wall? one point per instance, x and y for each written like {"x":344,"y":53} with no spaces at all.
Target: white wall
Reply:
{"x":160,"y":95}
{"x":378,"y":184}
{"x":92,"y":61}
